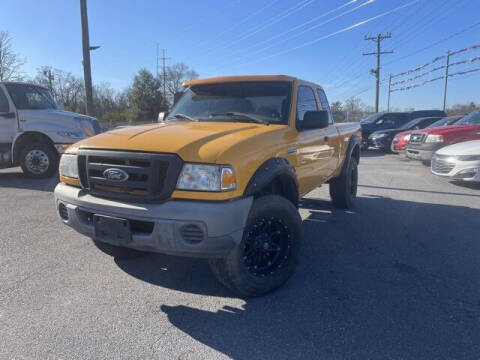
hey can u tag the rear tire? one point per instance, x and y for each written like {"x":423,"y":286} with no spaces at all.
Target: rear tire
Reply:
{"x":117,"y":251}
{"x":268,"y":253}
{"x":39,"y":160}
{"x":343,"y":189}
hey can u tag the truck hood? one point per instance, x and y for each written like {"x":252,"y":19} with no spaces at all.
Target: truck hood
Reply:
{"x":463,"y":148}
{"x":50,"y":114}
{"x":192,"y":141}
{"x":444,"y":130}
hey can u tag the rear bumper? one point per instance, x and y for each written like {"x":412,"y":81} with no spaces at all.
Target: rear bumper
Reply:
{"x":160,"y":227}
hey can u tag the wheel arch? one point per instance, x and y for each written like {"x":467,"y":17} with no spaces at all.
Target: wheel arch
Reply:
{"x":25,"y":138}
{"x":274,"y":176}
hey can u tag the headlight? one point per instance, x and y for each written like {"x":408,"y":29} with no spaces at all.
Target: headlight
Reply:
{"x":71,"y":134}
{"x":434,"y":138}
{"x":68,"y":166}
{"x":468,"y":157}
{"x":407,"y":138}
{"x":206,"y":178}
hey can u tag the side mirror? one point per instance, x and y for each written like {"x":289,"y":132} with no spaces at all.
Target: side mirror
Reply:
{"x":314,"y":120}
{"x":162,"y":116}
{"x":177,"y":97}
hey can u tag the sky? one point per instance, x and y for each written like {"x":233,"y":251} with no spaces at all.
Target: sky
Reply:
{"x":317,"y":40}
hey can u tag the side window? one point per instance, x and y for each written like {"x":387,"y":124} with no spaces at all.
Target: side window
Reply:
{"x":324,"y":102}
{"x":4,"y":107}
{"x":305,"y":101}
{"x":390,"y":121}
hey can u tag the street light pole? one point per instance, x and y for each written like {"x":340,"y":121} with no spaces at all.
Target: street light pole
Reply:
{"x":87,"y":72}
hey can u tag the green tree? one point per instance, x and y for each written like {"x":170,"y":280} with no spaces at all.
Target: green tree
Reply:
{"x":145,"y":97}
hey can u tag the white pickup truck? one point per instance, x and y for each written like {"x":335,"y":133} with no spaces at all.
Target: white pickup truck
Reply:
{"x":34,"y":132}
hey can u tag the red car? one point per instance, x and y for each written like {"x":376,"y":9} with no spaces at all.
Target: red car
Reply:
{"x":423,"y":144}
{"x":400,"y":141}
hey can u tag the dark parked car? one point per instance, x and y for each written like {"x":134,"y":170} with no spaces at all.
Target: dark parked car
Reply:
{"x":393,"y":120}
{"x":382,"y":139}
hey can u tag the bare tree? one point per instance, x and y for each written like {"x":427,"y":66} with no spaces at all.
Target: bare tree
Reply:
{"x":176,"y":75}
{"x":65,"y":87}
{"x":10,"y":62}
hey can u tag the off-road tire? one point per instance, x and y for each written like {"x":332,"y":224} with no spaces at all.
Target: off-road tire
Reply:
{"x":233,"y":270}
{"x":343,"y":189}
{"x":46,"y":150}
{"x":118,"y":251}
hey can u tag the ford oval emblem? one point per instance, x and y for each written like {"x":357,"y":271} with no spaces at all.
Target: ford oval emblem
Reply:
{"x":117,"y":175}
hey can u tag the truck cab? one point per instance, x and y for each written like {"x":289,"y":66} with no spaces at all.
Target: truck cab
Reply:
{"x":34,"y":132}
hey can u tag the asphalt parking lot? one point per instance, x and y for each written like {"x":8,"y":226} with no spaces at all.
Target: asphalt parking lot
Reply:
{"x":396,"y":278}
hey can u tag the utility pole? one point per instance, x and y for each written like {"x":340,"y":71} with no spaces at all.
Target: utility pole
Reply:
{"x":50,"y":77}
{"x":87,"y":73}
{"x":376,"y":72}
{"x":447,"y":68}
{"x":164,"y":72}
{"x":389,"y":91}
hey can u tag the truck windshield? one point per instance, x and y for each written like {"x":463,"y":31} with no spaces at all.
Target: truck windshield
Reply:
{"x":30,"y":97}
{"x":247,"y":101}
{"x":471,"y":119}
{"x":370,"y":119}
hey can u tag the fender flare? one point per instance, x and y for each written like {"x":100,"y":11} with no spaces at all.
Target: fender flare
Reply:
{"x":353,"y":144}
{"x":274,"y":168}
{"x":18,"y":141}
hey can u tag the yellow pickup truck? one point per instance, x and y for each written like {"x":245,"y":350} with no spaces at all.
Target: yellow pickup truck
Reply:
{"x":219,"y":177}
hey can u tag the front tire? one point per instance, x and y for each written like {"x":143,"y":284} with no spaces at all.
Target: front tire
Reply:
{"x":39,"y":160}
{"x":268,"y":253}
{"x":117,"y":251}
{"x":343,"y":189}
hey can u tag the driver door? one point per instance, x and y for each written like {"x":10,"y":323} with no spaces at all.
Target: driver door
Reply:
{"x":8,"y":121}
{"x":313,"y":151}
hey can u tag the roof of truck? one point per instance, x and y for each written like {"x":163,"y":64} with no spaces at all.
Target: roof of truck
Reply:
{"x":21,"y":83}
{"x":224,"y":79}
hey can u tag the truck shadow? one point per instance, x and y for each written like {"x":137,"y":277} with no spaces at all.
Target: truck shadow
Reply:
{"x":390,"y":279}
{"x":14,"y":179}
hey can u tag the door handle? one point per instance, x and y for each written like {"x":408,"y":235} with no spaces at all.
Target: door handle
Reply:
{"x":292,"y":150}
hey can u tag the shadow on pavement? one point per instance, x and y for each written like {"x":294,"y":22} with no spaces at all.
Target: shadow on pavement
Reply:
{"x":389,"y":280}
{"x":372,"y":153}
{"x":18,"y":180}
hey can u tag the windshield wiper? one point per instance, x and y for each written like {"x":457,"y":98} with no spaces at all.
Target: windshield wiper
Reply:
{"x":182,"y":116}
{"x":251,"y":118}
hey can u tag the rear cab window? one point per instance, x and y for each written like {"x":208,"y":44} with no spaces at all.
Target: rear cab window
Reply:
{"x":324,"y":103}
{"x":4,"y":106}
{"x":305,"y":101}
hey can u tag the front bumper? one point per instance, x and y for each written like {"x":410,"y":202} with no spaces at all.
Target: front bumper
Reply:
{"x":379,"y":143}
{"x":423,"y":151}
{"x":161,"y":227}
{"x":457,"y":170}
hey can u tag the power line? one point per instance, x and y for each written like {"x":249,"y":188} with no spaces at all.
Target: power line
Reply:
{"x":345,"y":29}
{"x":434,"y":44}
{"x":235,"y":25}
{"x":273,"y":20}
{"x":282,"y":34}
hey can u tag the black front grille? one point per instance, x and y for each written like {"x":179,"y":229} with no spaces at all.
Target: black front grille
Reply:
{"x":150,"y":176}
{"x":417,"y":138}
{"x":441,"y":166}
